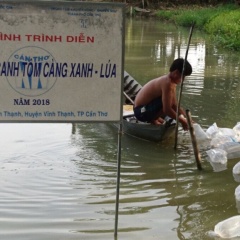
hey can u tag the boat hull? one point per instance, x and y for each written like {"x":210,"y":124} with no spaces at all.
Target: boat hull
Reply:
{"x":148,"y":131}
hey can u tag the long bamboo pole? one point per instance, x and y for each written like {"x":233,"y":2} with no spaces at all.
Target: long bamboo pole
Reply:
{"x":181,"y":87}
{"x":194,"y":141}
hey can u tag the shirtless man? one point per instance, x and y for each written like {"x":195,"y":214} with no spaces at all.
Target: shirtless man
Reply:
{"x":157,"y":98}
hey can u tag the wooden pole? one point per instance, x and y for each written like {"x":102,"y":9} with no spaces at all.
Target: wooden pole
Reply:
{"x":194,"y":141}
{"x":181,"y":88}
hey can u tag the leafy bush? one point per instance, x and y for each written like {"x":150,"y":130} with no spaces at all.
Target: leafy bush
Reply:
{"x":166,"y":14}
{"x":226,"y":29}
{"x":222,"y":22}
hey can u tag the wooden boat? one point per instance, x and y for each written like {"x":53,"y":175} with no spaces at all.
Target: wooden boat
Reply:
{"x":132,"y":126}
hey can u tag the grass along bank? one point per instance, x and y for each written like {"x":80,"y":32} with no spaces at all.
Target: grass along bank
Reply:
{"x":221,"y":22}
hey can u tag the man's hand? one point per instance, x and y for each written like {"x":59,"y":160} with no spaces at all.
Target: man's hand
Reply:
{"x":184,"y":122}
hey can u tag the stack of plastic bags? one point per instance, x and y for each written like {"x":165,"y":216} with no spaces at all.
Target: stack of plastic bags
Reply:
{"x":224,"y":144}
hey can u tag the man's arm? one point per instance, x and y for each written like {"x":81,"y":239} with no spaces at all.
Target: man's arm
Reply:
{"x":170,"y":106}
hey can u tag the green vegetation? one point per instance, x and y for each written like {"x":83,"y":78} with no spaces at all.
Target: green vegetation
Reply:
{"x":221,"y":22}
{"x":226,"y":29}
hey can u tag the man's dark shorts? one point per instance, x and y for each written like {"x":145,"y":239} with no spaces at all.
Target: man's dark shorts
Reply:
{"x":149,"y":112}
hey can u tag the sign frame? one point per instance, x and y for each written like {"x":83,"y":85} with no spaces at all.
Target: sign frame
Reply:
{"x":93,"y":96}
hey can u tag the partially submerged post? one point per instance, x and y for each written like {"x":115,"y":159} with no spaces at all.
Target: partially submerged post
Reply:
{"x":194,"y":141}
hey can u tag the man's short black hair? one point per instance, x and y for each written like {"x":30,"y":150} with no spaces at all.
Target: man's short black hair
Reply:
{"x":178,"y":65}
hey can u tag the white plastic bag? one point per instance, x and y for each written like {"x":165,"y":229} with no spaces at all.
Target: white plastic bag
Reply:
{"x":199,"y":132}
{"x":237,"y":193}
{"x":236,"y":129}
{"x":218,"y":159}
{"x":228,"y":228}
{"x":227,"y":131}
{"x":220,"y":140}
{"x":232,"y":149}
{"x":212,"y":130}
{"x":235,"y":153}
{"x":236,"y":172}
{"x":237,"y":198}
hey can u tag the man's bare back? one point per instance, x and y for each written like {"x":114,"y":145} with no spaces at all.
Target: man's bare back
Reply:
{"x":157,"y":98}
{"x":156,"y":88}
